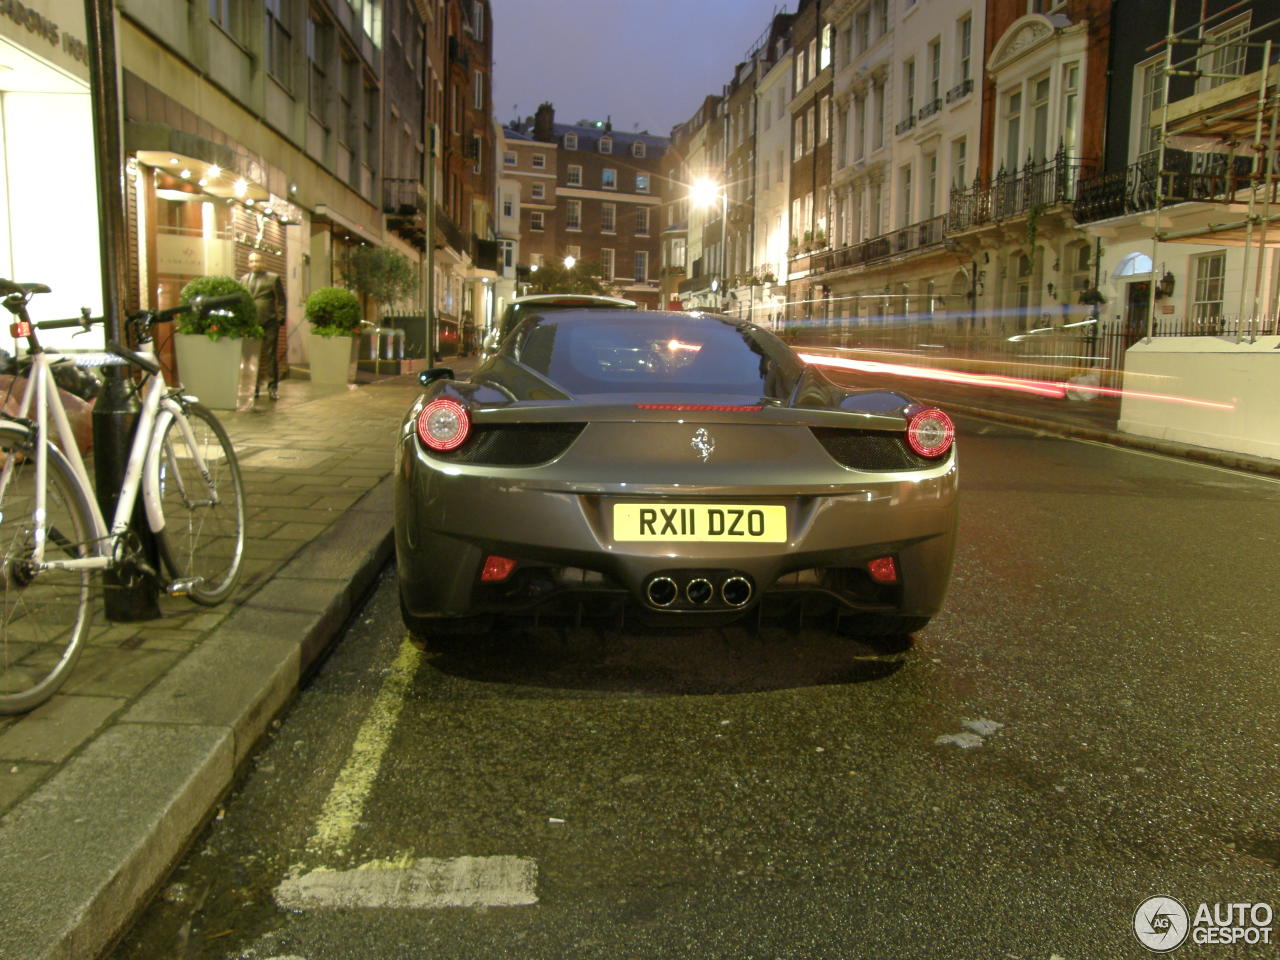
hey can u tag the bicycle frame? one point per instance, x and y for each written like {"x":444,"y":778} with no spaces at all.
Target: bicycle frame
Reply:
{"x":143,"y":463}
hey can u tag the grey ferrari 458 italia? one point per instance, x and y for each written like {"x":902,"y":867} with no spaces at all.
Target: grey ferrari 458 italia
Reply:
{"x":683,"y":468}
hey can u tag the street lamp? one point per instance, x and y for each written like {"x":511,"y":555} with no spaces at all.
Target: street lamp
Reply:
{"x":704,"y":192}
{"x":569,"y":262}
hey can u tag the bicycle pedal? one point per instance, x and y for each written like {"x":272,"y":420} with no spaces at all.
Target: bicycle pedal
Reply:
{"x":183,"y":587}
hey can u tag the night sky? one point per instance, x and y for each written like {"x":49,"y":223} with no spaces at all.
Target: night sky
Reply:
{"x":646,"y":64}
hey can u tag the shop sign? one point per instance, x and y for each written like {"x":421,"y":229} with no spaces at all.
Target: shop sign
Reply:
{"x":42,"y":27}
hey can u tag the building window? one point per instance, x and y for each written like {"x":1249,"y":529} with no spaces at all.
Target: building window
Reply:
{"x":642,"y":222}
{"x":862,"y":31}
{"x":638,"y":149}
{"x":905,"y":212}
{"x":1149,"y":84}
{"x":606,"y":144}
{"x":959,"y":172}
{"x":477,"y":19}
{"x":877,"y":123}
{"x":277,"y":41}
{"x":797,"y":138}
{"x":573,"y":214}
{"x":608,"y":217}
{"x":1040,"y":118}
{"x":606,"y":263}
{"x":859,"y":127}
{"x":930,"y":186}
{"x":477,"y":90}
{"x":1210,"y":270}
{"x":609,"y":179}
{"x":881,"y":10}
{"x":824,"y":57}
{"x":909,"y":89}
{"x":642,"y":183}
{"x":509,"y":158}
{"x":538,"y":191}
{"x":508,"y":205}
{"x":538,"y":161}
{"x":508,"y":253}
{"x":573,"y":250}
{"x":574,"y":176}
{"x":318,"y":47}
{"x":537,"y":221}
{"x":934,"y":94}
{"x":1012,"y":129}
{"x":1225,"y":52}
{"x":571,"y":141}
{"x":824,"y":120}
{"x":1070,"y":107}
{"x":220,"y":12}
{"x":679,"y":253}
{"x":964,"y":50}
{"x":642,"y":266}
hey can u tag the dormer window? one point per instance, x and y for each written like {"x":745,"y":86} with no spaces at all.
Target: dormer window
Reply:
{"x":606,"y":144}
{"x":637,"y":148}
{"x":571,"y":141}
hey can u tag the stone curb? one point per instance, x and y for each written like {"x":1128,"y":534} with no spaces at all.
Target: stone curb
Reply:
{"x":72,"y":874}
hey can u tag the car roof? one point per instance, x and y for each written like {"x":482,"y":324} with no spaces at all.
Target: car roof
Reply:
{"x":573,"y":300}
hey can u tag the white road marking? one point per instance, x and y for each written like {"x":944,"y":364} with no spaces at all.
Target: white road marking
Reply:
{"x":964,"y":741}
{"x":345,"y":804}
{"x":982,"y":727}
{"x":500,"y":881}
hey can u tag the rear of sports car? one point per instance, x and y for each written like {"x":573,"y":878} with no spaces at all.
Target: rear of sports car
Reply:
{"x":680,"y":468}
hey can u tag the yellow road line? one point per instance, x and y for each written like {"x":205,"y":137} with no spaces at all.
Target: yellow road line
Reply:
{"x":345,"y":804}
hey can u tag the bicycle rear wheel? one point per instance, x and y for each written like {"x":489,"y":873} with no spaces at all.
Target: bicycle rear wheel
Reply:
{"x":44,"y":615}
{"x":202,"y":537}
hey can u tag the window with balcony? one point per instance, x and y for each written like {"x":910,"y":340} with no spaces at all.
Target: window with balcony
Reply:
{"x":1148,"y":85}
{"x":1223,"y":54}
{"x":1039,"y":145}
{"x":1012,"y":129}
{"x":934,"y":93}
{"x":959,"y":168}
{"x":608,"y":217}
{"x":906,"y":212}
{"x":930,"y":186}
{"x":573,"y":214}
{"x":1070,"y":107}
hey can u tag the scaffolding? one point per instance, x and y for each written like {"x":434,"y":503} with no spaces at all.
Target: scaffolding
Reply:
{"x":1234,"y":122}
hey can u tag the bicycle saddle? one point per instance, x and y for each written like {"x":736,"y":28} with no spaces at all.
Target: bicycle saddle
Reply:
{"x":8,"y":286}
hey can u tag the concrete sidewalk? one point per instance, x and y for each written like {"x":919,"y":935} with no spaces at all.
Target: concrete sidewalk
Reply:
{"x":102,"y":788}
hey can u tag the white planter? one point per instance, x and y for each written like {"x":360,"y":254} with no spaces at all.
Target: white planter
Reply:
{"x":222,"y":374}
{"x":333,"y":359}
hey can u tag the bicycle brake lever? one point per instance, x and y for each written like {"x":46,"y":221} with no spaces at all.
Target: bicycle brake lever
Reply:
{"x":84,"y":321}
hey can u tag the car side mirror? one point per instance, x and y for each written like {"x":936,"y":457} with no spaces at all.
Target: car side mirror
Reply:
{"x":435,"y":373}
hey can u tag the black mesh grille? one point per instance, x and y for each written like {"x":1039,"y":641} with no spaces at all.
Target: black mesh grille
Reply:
{"x":870,"y":449}
{"x":514,"y":444}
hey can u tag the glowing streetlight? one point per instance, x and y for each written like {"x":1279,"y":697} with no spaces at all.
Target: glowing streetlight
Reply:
{"x":705,"y":193}
{"x":569,"y":262}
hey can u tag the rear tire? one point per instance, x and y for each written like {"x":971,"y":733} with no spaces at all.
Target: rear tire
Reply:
{"x":200,"y":539}
{"x":44,"y":617}
{"x":438,"y":631}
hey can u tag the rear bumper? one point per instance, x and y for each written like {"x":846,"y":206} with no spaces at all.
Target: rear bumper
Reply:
{"x":448,"y":522}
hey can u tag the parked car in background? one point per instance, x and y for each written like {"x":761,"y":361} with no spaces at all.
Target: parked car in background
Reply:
{"x":685,"y":468}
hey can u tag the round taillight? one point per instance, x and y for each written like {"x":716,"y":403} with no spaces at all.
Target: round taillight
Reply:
{"x":930,"y":433}
{"x":444,"y":424}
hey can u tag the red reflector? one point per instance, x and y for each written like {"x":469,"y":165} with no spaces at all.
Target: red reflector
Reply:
{"x":883,"y":570}
{"x":745,"y":408}
{"x":496,"y":568}
{"x":20,"y":329}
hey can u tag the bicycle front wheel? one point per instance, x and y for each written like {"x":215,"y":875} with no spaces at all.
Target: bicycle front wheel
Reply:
{"x":202,"y":535}
{"x":44,"y":614}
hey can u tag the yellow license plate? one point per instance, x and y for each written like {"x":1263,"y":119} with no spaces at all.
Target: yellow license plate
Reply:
{"x":699,"y":522}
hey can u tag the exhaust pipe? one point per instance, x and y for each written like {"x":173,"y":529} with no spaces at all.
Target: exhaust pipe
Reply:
{"x":699,"y":591}
{"x":662,"y":591}
{"x":736,"y":591}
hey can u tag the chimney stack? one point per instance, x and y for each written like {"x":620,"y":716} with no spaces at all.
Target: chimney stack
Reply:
{"x":544,"y":122}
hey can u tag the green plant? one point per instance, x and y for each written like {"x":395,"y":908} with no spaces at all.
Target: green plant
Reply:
{"x":379,"y":274}
{"x":333,"y":312}
{"x":239,"y":321}
{"x":553,"y":278}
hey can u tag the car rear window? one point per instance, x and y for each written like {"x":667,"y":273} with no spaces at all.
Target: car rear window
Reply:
{"x":598,"y":352}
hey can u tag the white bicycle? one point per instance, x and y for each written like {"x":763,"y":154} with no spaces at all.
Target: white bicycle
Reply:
{"x":54,"y":541}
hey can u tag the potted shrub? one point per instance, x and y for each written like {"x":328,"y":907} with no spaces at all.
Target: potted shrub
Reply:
{"x":218,"y":353}
{"x":335,"y":317}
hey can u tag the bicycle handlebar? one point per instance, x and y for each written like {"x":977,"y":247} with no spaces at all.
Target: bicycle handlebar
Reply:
{"x":85,"y":322}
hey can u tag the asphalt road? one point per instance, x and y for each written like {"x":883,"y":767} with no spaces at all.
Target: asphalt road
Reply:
{"x":1094,"y":720}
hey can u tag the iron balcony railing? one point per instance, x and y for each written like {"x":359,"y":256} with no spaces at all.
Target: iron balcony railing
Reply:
{"x":403,"y":196}
{"x":928,"y":110}
{"x":917,"y":236}
{"x":961,"y":89}
{"x":905,"y":125}
{"x":1015,"y":193}
{"x":1187,"y":177}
